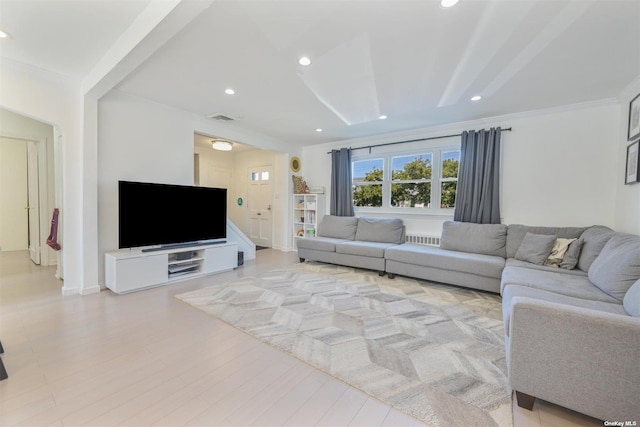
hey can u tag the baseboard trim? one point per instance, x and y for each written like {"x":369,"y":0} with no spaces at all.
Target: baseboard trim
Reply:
{"x":90,"y":290}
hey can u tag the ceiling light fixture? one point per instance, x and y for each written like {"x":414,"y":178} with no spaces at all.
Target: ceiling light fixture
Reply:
{"x":221,"y":145}
{"x":318,"y":130}
{"x":229,"y":91}
{"x":476,"y":98}
{"x":4,"y":35}
{"x":304,"y":61}
{"x":448,"y":3}
{"x":382,"y":117}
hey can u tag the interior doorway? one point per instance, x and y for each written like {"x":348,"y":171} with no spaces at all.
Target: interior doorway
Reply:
{"x":260,"y":205}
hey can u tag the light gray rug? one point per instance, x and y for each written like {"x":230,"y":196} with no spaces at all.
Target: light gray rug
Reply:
{"x":433,"y":351}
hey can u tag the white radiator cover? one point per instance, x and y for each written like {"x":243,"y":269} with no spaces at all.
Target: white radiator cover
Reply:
{"x":423,"y":240}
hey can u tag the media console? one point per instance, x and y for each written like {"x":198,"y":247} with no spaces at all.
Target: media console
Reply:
{"x":129,"y":270}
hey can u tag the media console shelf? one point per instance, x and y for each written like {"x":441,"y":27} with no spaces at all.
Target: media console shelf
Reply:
{"x":129,"y":270}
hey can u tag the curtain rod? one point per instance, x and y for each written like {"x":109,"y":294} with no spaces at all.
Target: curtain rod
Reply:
{"x":411,"y":140}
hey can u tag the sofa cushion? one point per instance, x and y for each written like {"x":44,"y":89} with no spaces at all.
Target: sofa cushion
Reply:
{"x":516,"y":232}
{"x":535,"y":248}
{"x":618,"y":265}
{"x":512,"y":262}
{"x":593,"y":240}
{"x":538,"y":294}
{"x":369,"y":249}
{"x":557,"y":281}
{"x":571,"y":257}
{"x":326,"y":244}
{"x":380,"y":230}
{"x":435,"y":257}
{"x":631,"y":301}
{"x":338,"y":227}
{"x":487,"y":239}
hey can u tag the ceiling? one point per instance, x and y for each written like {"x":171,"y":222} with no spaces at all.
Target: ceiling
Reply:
{"x":413,"y":61}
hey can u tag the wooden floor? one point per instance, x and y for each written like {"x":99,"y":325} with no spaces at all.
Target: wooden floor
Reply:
{"x":148,"y":359}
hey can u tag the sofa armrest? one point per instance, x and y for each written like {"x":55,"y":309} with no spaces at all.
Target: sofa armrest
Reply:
{"x":585,"y":360}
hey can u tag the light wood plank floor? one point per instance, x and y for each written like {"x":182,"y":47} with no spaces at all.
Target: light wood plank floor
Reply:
{"x":148,"y":359}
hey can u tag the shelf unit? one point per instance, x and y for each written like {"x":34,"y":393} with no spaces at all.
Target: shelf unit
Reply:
{"x":308,"y":210}
{"x":129,"y":270}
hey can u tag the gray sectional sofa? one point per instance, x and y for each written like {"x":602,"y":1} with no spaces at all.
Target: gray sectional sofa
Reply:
{"x":570,"y":297}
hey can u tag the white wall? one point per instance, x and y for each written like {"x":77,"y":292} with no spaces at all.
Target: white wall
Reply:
{"x":559,"y":166}
{"x":56,"y":100}
{"x":145,"y":141}
{"x":627,"y":202}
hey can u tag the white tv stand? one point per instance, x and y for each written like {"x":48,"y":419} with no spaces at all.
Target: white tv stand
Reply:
{"x":129,"y":270}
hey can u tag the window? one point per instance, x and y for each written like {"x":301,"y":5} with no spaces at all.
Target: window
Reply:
{"x":449,"y":178}
{"x":423,"y":180}
{"x":411,"y":181}
{"x":367,"y":182}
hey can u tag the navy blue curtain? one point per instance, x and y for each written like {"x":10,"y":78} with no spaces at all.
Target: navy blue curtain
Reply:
{"x":341,"y":198}
{"x":478,"y":192}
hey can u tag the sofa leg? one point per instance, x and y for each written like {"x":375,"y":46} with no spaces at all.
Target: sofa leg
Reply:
{"x":392,"y":276}
{"x":525,"y":401}
{"x":380,"y":273}
{"x":302,"y":259}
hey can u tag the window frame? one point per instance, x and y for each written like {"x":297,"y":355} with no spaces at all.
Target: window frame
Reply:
{"x":436,"y":181}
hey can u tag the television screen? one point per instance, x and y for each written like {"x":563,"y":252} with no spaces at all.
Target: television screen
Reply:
{"x":161,"y":214}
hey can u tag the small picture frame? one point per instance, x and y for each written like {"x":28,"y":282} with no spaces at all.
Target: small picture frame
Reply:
{"x":632,"y":174}
{"x":634,"y":119}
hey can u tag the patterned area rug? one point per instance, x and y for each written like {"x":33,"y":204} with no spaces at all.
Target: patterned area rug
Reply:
{"x":433,"y":351}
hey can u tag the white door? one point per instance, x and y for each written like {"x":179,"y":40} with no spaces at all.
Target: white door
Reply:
{"x":33,"y":207}
{"x":259,"y":201}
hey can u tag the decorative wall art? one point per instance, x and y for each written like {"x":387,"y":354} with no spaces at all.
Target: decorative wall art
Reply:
{"x":634,"y":119}
{"x":633,"y":163}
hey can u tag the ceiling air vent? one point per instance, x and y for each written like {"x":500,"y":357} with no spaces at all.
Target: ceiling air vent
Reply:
{"x":221,"y":117}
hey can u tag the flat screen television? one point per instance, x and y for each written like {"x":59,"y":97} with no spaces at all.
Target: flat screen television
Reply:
{"x":165,"y":215}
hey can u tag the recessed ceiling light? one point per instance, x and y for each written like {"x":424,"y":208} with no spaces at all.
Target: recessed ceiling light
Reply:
{"x":382,"y":117}
{"x":318,"y":130}
{"x":229,"y":91}
{"x":304,"y":61}
{"x":4,"y":35}
{"x":476,"y":98}
{"x":448,"y":3}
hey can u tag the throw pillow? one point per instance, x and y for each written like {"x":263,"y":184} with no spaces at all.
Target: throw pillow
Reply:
{"x":571,"y":257}
{"x":535,"y":248}
{"x":618,"y":265}
{"x":631,"y":301}
{"x":557,"y":252}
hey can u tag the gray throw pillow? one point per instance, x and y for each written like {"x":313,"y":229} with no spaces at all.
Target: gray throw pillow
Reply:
{"x":535,"y":248}
{"x":631,"y":301}
{"x":618,"y":265}
{"x":572,"y":255}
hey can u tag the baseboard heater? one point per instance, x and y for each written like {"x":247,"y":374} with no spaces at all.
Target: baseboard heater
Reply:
{"x":423,"y":240}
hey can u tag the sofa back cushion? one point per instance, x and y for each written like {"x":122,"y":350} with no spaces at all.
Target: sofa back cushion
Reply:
{"x":516,"y":232}
{"x":338,"y":227}
{"x":484,"y":239}
{"x":380,"y":230}
{"x":593,"y":240}
{"x":631,"y":301}
{"x":618,"y":265}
